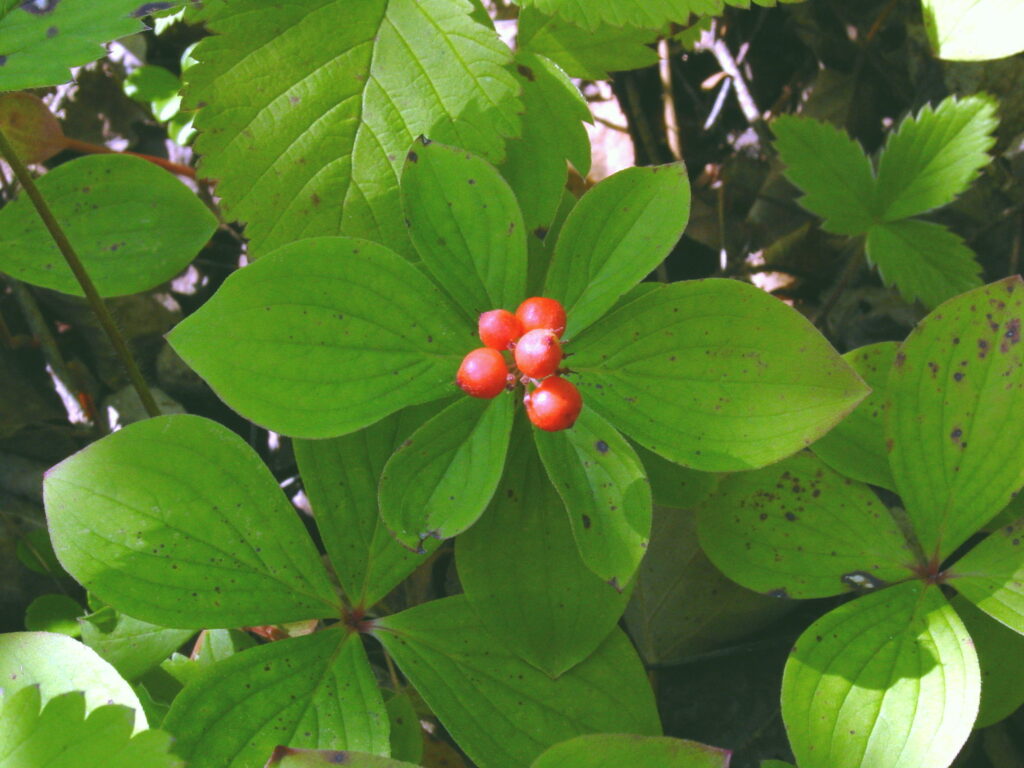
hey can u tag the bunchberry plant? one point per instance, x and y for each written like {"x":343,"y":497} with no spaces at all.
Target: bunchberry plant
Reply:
{"x":376,"y":260}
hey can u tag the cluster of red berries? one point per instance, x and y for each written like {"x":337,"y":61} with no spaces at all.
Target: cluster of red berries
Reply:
{"x":533,"y":335}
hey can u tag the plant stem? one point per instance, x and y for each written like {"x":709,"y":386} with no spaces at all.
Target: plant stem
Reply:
{"x":88,"y":288}
{"x":87,"y":148}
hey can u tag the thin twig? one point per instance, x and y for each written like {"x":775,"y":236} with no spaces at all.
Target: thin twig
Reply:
{"x":609,"y":124}
{"x":88,"y":288}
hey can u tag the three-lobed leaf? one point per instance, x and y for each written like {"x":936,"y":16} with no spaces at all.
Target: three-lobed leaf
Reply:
{"x":315,"y":691}
{"x":889,"y":680}
{"x":832,"y":170}
{"x":501,"y":710}
{"x":957,"y":384}
{"x":466,"y":226}
{"x":324,"y":337}
{"x":61,"y":735}
{"x":132,"y":224}
{"x":603,"y":484}
{"x":307,"y":134}
{"x":799,"y":529}
{"x":934,"y":155}
{"x":523,"y":575}
{"x":444,"y":474}
{"x":926,"y":261}
{"x":617,"y":233}
{"x":57,"y":664}
{"x":175,"y":520}
{"x":715,"y":375}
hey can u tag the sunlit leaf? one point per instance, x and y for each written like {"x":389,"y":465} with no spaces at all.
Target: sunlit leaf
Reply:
{"x":714,"y":374}
{"x":502,"y":711}
{"x":889,"y":680}
{"x":799,"y":529}
{"x":132,"y":224}
{"x":315,"y":691}
{"x":957,"y":388}
{"x":62,"y":736}
{"x":307,"y":133}
{"x":177,"y":521}
{"x":992,"y":575}
{"x":324,"y":337}
{"x":974,"y":30}
{"x":614,"y":750}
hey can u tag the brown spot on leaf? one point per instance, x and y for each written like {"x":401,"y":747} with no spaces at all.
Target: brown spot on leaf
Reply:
{"x":602,"y":446}
{"x":900,"y":359}
{"x":586,"y":521}
{"x":52,"y":32}
{"x":540,"y":233}
{"x":412,"y":157}
{"x":1011,"y":336}
{"x":982,"y":349}
{"x":791,"y":517}
{"x":526,"y":72}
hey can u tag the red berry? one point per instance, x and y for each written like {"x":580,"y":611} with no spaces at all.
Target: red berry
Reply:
{"x":499,"y":328}
{"x":538,"y":353}
{"x":483,"y":373}
{"x":554,"y":405}
{"x":539,"y":312}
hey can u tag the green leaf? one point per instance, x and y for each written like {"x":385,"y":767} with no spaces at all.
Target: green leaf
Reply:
{"x":53,"y":613}
{"x":404,"y":723}
{"x":682,"y":605}
{"x":715,"y":375}
{"x":286,"y":757}
{"x":132,"y":646}
{"x":974,"y":30}
{"x":992,"y":575}
{"x":523,"y":575}
{"x":58,"y":664}
{"x":61,"y":736}
{"x":552,"y":133}
{"x":370,"y":333}
{"x":602,"y":482}
{"x":442,"y":477}
{"x":673,"y":485}
{"x":924,"y":260}
{"x":799,"y":529}
{"x":156,"y":86}
{"x":211,"y":646}
{"x":935,"y":155}
{"x":499,"y":709}
{"x":1001,"y":660}
{"x":93,"y":198}
{"x":307,"y":134}
{"x":889,"y":680}
{"x":466,"y":225}
{"x":613,"y":750}
{"x":176,"y":520}
{"x":586,"y":53}
{"x":957,"y":388}
{"x":832,"y":170}
{"x":314,"y":691}
{"x":341,"y":477}
{"x":617,"y":233}
{"x":39,"y":46}
{"x":856,"y":447}
{"x":590,"y":14}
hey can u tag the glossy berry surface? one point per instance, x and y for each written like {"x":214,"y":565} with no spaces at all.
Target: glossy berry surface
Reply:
{"x":554,"y":405}
{"x":539,"y":312}
{"x":538,"y":353}
{"x":483,"y":373}
{"x":499,"y":328}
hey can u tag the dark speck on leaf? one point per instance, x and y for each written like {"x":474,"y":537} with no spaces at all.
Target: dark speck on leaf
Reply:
{"x":958,"y":376}
{"x":3,"y":60}
{"x":601,"y":446}
{"x":412,"y":157}
{"x":586,"y":521}
{"x":52,"y":31}
{"x":540,"y":233}
{"x":526,"y":72}
{"x":790,"y":516}
{"x":982,"y":348}
{"x":471,"y":182}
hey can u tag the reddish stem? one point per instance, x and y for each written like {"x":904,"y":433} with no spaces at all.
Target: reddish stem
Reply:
{"x":87,"y":148}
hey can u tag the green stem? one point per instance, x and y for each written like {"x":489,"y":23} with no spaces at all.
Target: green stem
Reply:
{"x":88,"y":288}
